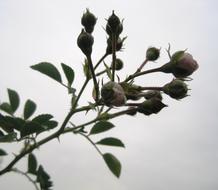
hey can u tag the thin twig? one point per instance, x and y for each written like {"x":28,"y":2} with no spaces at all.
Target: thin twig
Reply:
{"x":27,"y":176}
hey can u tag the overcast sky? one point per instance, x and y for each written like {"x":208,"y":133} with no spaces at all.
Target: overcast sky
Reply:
{"x":176,"y":149}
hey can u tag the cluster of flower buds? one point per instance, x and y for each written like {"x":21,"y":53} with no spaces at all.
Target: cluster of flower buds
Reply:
{"x":181,"y":65}
{"x":114,"y":28}
{"x":85,"y":40}
{"x":113,"y":94}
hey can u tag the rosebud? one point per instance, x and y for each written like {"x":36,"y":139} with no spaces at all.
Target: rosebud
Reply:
{"x":85,"y":42}
{"x":176,"y":89}
{"x":113,"y":94}
{"x":88,"y":21}
{"x":181,"y":65}
{"x":152,"y":54}
{"x":151,"y":106}
{"x":118,"y":31}
{"x":131,"y":91}
{"x":113,"y":23}
{"x":153,"y":94}
{"x":118,"y":64}
{"x":119,"y":45}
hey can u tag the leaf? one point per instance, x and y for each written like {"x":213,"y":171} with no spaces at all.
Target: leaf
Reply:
{"x":29,"y":109}
{"x":43,"y":178}
{"x":111,"y":141}
{"x":48,"y":69}
{"x":2,"y":152}
{"x":50,"y":124}
{"x":30,"y":128}
{"x":14,"y":99}
{"x":10,"y":123}
{"x":108,"y":70}
{"x":1,"y":134}
{"x":32,"y":164}
{"x":4,"y":124}
{"x":69,"y":73}
{"x":100,"y":127}
{"x":8,"y":138}
{"x":42,"y":118}
{"x":113,"y":164}
{"x":6,"y":107}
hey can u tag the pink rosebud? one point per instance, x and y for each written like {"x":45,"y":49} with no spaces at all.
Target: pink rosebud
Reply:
{"x":113,"y":94}
{"x":183,"y":64}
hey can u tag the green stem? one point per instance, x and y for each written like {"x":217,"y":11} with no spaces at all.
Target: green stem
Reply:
{"x":94,"y":77}
{"x":113,"y":55}
{"x":90,"y":140}
{"x":143,"y":73}
{"x":26,"y":175}
{"x":100,"y":60}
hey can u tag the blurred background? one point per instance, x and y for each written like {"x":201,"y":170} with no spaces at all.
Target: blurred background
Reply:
{"x":176,"y":149}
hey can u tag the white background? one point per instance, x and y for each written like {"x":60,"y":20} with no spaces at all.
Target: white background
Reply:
{"x":176,"y":149}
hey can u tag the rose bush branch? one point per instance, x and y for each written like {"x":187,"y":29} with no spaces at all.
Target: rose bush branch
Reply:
{"x":110,"y":100}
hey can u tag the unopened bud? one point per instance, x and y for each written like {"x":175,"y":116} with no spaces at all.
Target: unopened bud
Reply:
{"x":118,"y":64}
{"x":88,"y":21}
{"x":153,"y":94}
{"x":181,"y":65}
{"x":131,"y":91}
{"x":119,"y":45}
{"x":152,"y":54}
{"x":113,"y":24}
{"x":176,"y":89}
{"x":113,"y":94}
{"x":151,"y":106}
{"x":85,"y":42}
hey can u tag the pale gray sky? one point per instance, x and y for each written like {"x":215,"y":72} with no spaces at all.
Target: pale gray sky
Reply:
{"x":176,"y":149}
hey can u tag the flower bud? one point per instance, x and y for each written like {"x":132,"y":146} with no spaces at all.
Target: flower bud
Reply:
{"x":118,"y":31}
{"x":113,"y":23}
{"x":85,"y":42}
{"x":113,"y":94}
{"x":151,"y":106}
{"x":118,"y":64}
{"x":131,"y":91}
{"x":176,"y":89}
{"x":88,"y":21}
{"x":119,"y":45}
{"x":152,"y":54}
{"x":181,"y":65}
{"x":153,"y":94}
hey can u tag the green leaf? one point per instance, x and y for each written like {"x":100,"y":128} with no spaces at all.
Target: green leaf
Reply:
{"x":111,"y":141}
{"x":108,"y":70}
{"x":100,"y":127}
{"x":1,"y":134}
{"x":29,"y":109}
{"x":43,"y":178}
{"x":50,"y":124}
{"x":5,"y":125}
{"x":8,"y":138}
{"x":2,"y":152}
{"x":30,"y":128}
{"x":113,"y":164}
{"x":48,"y":69}
{"x":42,"y":118}
{"x":12,"y":123}
{"x":69,"y":73}
{"x":32,"y":164}
{"x":14,"y":99}
{"x":6,"y":107}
